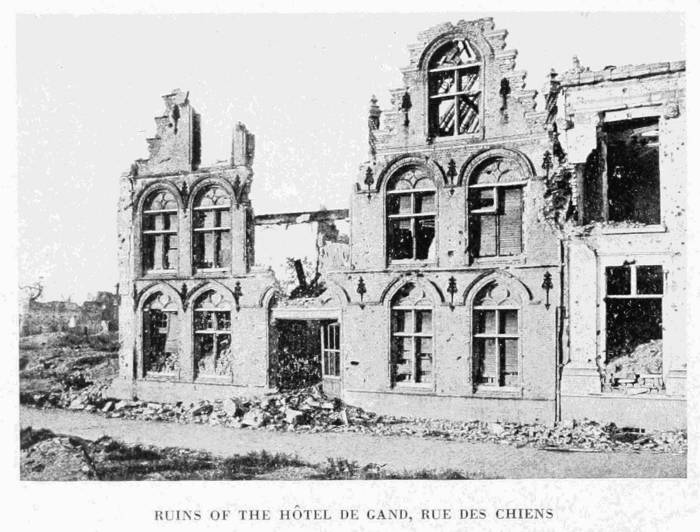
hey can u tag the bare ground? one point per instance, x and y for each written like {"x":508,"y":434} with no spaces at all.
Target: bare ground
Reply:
{"x":406,"y":454}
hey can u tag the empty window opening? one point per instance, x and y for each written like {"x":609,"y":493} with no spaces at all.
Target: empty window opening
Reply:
{"x":411,"y":212}
{"x":212,"y":229}
{"x":633,"y":304}
{"x":496,"y":210}
{"x":622,"y":178}
{"x":411,"y":337}
{"x":495,"y":338}
{"x":454,"y":90}
{"x":159,"y":233}
{"x":161,"y":336}
{"x":212,"y":336}
{"x":296,"y":345}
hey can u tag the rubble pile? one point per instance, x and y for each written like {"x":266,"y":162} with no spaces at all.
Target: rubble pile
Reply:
{"x":645,"y":359}
{"x":308,"y":410}
{"x":45,"y":455}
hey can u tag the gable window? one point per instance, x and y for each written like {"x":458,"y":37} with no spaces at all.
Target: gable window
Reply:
{"x":211,"y":225}
{"x":454,"y":90}
{"x":496,"y":337}
{"x":496,"y":209}
{"x":411,"y":212}
{"x":159,"y":239}
{"x":411,"y":337}
{"x":161,"y":335}
{"x":622,"y":178}
{"x":212,"y":336}
{"x":633,"y":327}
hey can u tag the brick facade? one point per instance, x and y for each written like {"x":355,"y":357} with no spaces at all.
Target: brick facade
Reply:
{"x":471,"y":284}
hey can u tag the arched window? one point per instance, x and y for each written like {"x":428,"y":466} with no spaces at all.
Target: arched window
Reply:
{"x":411,"y":337}
{"x":411,"y":211}
{"x":159,"y":232}
{"x":496,"y":209}
{"x":161,"y":335}
{"x":496,"y":336}
{"x":212,"y":336}
{"x":454,"y":89}
{"x":211,"y":223}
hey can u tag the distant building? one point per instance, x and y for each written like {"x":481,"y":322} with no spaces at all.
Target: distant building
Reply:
{"x":95,"y":316}
{"x":497,"y":262}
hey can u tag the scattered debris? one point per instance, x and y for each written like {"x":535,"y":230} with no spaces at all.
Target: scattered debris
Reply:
{"x":308,"y":410}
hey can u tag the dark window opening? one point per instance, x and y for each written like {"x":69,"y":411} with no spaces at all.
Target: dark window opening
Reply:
{"x":634,"y":328}
{"x":621,"y":178}
{"x":161,"y":336}
{"x":411,"y":212}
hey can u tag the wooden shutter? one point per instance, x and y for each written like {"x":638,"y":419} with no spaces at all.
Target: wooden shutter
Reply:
{"x":510,"y":221}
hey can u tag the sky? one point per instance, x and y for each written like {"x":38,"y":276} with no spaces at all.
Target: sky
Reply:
{"x":89,"y":86}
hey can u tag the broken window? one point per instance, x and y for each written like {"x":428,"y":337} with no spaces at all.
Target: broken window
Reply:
{"x":330,"y":350}
{"x":161,"y":335}
{"x":411,"y":212}
{"x":212,"y":336}
{"x":411,"y":337}
{"x":496,"y":335}
{"x":454,"y":90}
{"x":622,"y":180}
{"x":496,"y":209}
{"x":633,"y":306}
{"x":159,"y":233}
{"x":211,"y":224}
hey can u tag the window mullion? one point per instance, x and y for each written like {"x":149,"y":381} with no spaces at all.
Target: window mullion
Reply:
{"x":497,"y":341}
{"x":633,"y":280}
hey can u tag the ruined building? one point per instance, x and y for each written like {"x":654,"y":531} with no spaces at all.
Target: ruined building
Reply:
{"x":504,"y":263}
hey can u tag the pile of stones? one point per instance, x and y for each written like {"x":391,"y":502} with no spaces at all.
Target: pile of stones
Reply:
{"x":308,"y":410}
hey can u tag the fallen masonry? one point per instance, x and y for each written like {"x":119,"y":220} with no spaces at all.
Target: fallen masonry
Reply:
{"x":308,"y":410}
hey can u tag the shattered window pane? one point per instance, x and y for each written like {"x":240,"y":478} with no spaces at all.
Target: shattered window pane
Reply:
{"x":485,"y":321}
{"x":650,"y":280}
{"x":618,"y":280}
{"x":160,"y":341}
{"x":412,"y":342}
{"x":468,"y":114}
{"x":442,"y":82}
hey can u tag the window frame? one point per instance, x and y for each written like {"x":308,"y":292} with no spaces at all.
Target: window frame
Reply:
{"x":474,"y":95}
{"x":158,"y":300}
{"x":165,"y":233}
{"x":613,"y":262}
{"x":326,"y":351}
{"x":415,"y":336}
{"x":224,"y":307}
{"x":498,"y":190}
{"x":220,"y":232}
{"x":509,"y":303}
{"x":412,"y":216}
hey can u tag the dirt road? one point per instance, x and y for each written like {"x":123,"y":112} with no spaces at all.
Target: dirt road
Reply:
{"x":398,"y":453}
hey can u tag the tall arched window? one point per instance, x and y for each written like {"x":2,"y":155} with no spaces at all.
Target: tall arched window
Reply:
{"x":212,"y":336}
{"x":161,"y":335}
{"x":454,"y":89}
{"x":496,"y":209}
{"x":411,"y":212}
{"x":411,"y":337}
{"x":159,"y":232}
{"x":495,"y":337}
{"x":211,"y":225}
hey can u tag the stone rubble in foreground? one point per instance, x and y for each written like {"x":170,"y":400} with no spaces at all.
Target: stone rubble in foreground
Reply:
{"x":308,"y":410}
